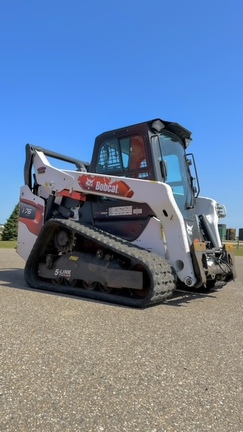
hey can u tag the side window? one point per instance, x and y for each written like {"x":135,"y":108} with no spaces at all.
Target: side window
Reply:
{"x":109,"y":157}
{"x":173,"y":168}
{"x":174,"y":174}
{"x":138,"y":157}
{"x":134,"y":156}
{"x":126,"y":154}
{"x":125,"y":151}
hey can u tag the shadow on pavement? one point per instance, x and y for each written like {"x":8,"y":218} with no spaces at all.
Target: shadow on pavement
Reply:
{"x":14,"y":278}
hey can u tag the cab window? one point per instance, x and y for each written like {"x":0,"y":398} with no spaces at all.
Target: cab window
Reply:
{"x":124,"y":155}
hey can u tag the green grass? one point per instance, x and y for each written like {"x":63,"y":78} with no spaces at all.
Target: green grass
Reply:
{"x":238,"y":248}
{"x":238,"y":251}
{"x":8,"y":244}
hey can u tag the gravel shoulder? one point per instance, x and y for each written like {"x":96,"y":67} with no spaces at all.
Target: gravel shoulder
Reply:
{"x":69,"y":364}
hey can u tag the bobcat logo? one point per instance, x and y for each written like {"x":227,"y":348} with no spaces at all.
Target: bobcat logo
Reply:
{"x":89,"y":183}
{"x":189,"y":229}
{"x":106,"y":185}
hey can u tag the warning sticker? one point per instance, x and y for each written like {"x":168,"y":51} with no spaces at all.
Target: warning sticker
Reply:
{"x":120,"y":211}
{"x":137,"y":211}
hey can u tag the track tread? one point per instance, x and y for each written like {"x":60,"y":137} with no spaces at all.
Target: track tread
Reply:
{"x":161,"y":272}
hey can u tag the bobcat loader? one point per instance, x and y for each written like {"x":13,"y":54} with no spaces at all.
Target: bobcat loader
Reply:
{"x":128,"y":228}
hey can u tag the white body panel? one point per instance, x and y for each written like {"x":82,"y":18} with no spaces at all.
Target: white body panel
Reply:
{"x":208,"y":207}
{"x":152,"y":238}
{"x":26,"y":240}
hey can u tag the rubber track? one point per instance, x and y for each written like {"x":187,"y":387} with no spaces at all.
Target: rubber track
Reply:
{"x":160,"y":271}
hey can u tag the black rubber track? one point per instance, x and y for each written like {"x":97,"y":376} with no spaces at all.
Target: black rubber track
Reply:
{"x":160,"y":272}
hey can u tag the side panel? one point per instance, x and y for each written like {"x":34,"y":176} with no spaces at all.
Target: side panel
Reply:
{"x":118,"y":217}
{"x":153,"y":238}
{"x":31,"y":219}
{"x":208,"y":207}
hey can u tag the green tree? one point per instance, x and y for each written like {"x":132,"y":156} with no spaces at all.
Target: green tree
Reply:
{"x":10,"y":231}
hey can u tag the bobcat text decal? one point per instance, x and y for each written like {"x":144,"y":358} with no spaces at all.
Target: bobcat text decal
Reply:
{"x":105,"y":184}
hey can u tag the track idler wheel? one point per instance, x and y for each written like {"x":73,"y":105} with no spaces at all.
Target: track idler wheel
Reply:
{"x":57,"y":281}
{"x":89,"y":286}
{"x":64,"y":240}
{"x":70,"y":282}
{"x":104,"y":289}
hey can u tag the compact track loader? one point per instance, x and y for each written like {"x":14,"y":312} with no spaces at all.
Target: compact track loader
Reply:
{"x":128,"y":228}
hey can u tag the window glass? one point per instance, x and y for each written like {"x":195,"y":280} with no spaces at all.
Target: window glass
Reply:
{"x":173,"y":168}
{"x":109,"y":157}
{"x":177,"y":170}
{"x":125,"y":151}
{"x":126,"y":154}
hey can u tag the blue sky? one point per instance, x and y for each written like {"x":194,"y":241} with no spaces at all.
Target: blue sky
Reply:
{"x":70,"y":70}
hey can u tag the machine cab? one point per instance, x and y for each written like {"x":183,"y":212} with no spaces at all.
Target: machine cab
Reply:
{"x":153,"y":150}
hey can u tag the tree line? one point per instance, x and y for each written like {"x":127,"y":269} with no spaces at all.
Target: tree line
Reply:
{"x":10,"y":230}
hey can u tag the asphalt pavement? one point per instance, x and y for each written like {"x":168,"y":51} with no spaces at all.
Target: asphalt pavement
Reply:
{"x":68,"y":364}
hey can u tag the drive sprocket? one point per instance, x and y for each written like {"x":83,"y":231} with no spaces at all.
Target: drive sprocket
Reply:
{"x":64,"y":240}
